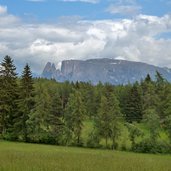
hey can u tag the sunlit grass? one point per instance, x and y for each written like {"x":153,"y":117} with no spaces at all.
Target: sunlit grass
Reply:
{"x":35,"y":157}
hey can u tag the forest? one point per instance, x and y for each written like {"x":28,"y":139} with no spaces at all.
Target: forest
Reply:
{"x":133,"y":117}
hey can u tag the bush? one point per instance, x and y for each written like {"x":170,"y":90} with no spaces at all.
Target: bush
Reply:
{"x":93,"y":140}
{"x":150,"y":146}
{"x":47,"y":139}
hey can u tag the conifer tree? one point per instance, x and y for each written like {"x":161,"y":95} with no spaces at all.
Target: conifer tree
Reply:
{"x":26,"y":102}
{"x":102,"y":120}
{"x":38,"y":122}
{"x":55,"y":119}
{"x":74,"y":116}
{"x":152,"y":122}
{"x":162,"y":93}
{"x":115,"y":118}
{"x":133,"y":107}
{"x":134,"y":132}
{"x":149,"y":96}
{"x":9,"y":96}
{"x":1,"y":102}
{"x":168,"y":126}
{"x":148,"y":78}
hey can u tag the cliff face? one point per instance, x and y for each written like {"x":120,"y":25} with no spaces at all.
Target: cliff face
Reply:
{"x":49,"y":71}
{"x":104,"y":70}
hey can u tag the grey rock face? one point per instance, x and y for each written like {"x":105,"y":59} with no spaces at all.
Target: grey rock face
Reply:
{"x":104,"y":70}
{"x":49,"y":71}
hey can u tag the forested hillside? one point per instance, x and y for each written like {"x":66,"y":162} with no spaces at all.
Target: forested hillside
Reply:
{"x":134,"y":117}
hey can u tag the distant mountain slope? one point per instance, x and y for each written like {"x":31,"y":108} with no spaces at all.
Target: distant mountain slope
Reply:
{"x":104,"y":70}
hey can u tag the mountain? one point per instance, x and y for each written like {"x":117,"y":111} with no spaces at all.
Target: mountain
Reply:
{"x":105,"y":70}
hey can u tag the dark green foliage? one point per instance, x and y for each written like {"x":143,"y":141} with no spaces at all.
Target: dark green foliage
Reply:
{"x":8,"y":98}
{"x":46,"y":111}
{"x":149,"y":96}
{"x":107,"y":121}
{"x":148,"y":79}
{"x":134,"y":133}
{"x":149,"y":146}
{"x":162,"y":93}
{"x":153,"y":123}
{"x":55,"y":118}
{"x":133,"y":108}
{"x":103,"y":119}
{"x":168,"y":126}
{"x":25,"y":103}
{"x":115,"y":118}
{"x":93,"y":140}
{"x":74,"y":117}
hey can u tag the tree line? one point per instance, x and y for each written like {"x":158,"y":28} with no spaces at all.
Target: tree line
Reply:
{"x":134,"y":117}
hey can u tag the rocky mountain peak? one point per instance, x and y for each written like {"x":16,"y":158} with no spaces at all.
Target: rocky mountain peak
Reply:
{"x":105,"y":70}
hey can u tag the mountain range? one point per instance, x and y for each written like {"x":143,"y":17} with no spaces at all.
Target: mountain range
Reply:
{"x":104,"y":70}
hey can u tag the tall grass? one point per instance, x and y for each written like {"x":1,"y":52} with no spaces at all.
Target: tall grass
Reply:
{"x":35,"y":157}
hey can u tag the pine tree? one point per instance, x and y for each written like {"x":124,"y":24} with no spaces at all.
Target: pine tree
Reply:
{"x":167,"y":113}
{"x":133,"y":109}
{"x":9,"y":96}
{"x":55,"y":119}
{"x":102,"y":120}
{"x":74,"y":116}
{"x":148,"y":78}
{"x":115,"y":118}
{"x":152,"y":121}
{"x":38,"y":122}
{"x":26,"y":102}
{"x":1,"y":102}
{"x":168,"y":126}
{"x":123,"y":93}
{"x":134,"y":132}
{"x":162,"y":93}
{"x":159,"y":79}
{"x":149,"y":96}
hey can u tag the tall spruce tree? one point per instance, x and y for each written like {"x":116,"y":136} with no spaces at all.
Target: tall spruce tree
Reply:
{"x":148,"y":78}
{"x":38,"y":122}
{"x":74,"y":117}
{"x":55,"y":119}
{"x":1,"y":100}
{"x":9,"y":96}
{"x":152,"y":122}
{"x":168,"y":126}
{"x":133,"y":108}
{"x":149,"y":96}
{"x":102,"y":120}
{"x":115,"y":118}
{"x":26,"y":102}
{"x":167,"y":113}
{"x":162,"y":93}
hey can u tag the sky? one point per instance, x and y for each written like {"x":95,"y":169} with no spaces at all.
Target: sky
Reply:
{"x":38,"y":31}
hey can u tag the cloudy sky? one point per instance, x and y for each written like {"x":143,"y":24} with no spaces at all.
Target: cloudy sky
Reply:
{"x":38,"y":31}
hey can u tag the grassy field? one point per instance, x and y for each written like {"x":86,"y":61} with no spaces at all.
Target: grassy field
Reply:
{"x":35,"y":157}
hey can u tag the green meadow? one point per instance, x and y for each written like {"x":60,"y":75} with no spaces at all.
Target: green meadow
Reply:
{"x":36,"y":157}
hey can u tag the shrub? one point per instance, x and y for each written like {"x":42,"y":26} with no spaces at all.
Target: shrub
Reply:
{"x":150,"y":146}
{"x":93,"y":140}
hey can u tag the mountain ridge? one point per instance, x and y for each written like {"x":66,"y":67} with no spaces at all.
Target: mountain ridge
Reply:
{"x":109,"y":70}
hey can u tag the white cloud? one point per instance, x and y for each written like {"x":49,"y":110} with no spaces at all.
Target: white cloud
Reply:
{"x":3,"y":9}
{"x":124,"y":9}
{"x":7,"y":19}
{"x":130,"y":39}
